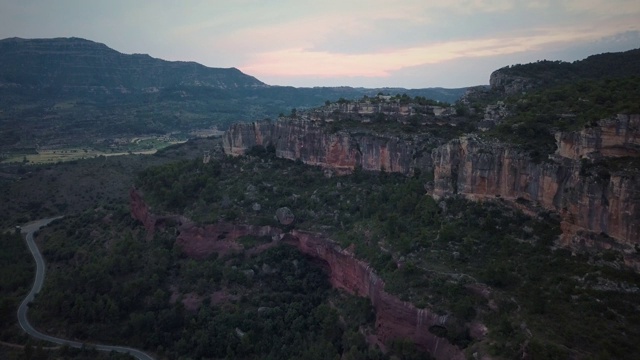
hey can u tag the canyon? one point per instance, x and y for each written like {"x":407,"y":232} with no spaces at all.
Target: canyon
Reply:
{"x":395,"y":319}
{"x":598,"y":209}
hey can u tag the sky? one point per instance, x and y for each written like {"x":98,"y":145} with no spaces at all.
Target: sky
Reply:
{"x":372,"y":43}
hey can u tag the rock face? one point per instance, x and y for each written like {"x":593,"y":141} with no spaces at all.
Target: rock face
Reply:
{"x":141,"y":211}
{"x":615,"y":137}
{"x":201,"y":241}
{"x":510,"y":84}
{"x":589,"y":204}
{"x":371,"y":108}
{"x":197,"y":242}
{"x":395,"y":319}
{"x":313,"y":143}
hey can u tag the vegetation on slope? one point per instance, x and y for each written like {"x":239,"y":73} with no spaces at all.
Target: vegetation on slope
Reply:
{"x":30,"y":192}
{"x":536,"y":116}
{"x":17,"y":270}
{"x":437,"y":255}
{"x":608,"y":65}
{"x":106,"y":283}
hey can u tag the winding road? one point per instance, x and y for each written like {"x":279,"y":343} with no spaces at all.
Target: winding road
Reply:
{"x":29,"y":229}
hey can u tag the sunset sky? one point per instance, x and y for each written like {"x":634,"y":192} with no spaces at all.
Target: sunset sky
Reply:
{"x":373,"y":43}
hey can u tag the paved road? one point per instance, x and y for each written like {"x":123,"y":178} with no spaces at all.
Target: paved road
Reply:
{"x":29,"y":229}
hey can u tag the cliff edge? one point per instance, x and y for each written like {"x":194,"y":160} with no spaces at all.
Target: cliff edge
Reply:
{"x":599,"y":203}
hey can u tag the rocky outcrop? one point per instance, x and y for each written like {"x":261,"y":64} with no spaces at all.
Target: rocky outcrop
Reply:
{"x":314,"y":144}
{"x":493,"y":115}
{"x":141,"y":211}
{"x":395,"y":319}
{"x":196,"y":241}
{"x":285,"y":216}
{"x":509,"y":84}
{"x":370,"y":109}
{"x":616,"y":137}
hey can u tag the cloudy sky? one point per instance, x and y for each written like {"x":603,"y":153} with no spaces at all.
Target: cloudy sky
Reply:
{"x":372,"y":43}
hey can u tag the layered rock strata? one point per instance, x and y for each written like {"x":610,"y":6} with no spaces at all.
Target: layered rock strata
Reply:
{"x":395,"y":319}
{"x":616,"y":137}
{"x":314,"y":144}
{"x":586,"y":203}
{"x":589,"y":204}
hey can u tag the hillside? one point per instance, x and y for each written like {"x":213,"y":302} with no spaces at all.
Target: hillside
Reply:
{"x":79,"y":66}
{"x":545,"y":73}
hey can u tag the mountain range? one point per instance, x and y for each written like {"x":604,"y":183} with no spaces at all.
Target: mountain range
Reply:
{"x":65,"y":91}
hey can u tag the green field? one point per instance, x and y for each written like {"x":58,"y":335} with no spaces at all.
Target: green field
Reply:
{"x":142,"y":146}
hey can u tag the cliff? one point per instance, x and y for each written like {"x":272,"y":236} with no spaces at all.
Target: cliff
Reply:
{"x":141,"y":211}
{"x":395,"y":319}
{"x":590,"y":204}
{"x":616,"y":137}
{"x":586,"y":203}
{"x":314,"y":144}
{"x":197,"y":242}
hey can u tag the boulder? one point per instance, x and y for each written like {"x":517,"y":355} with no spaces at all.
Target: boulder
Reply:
{"x":284,"y":216}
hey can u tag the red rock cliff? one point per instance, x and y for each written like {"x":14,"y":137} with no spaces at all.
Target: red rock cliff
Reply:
{"x":314,"y":144}
{"x":141,"y":211}
{"x":395,"y":319}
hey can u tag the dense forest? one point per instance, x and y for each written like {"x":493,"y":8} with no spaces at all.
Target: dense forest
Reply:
{"x":107,"y":283}
{"x":547,"y":73}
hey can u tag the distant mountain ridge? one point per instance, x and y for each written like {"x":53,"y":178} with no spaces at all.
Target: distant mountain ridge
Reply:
{"x":65,"y":91}
{"x":77,"y":65}
{"x":80,"y":63}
